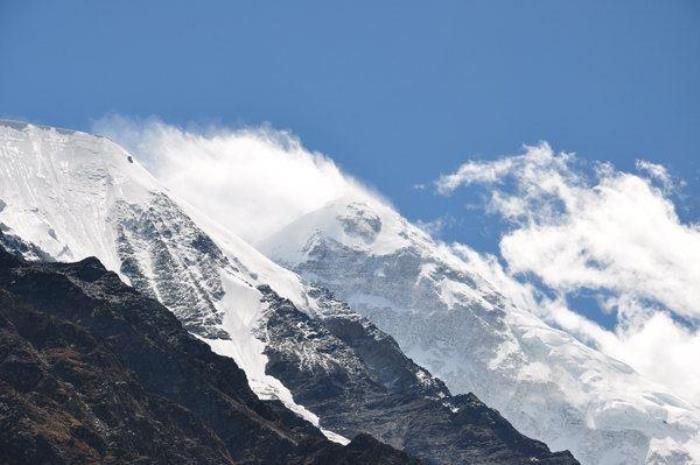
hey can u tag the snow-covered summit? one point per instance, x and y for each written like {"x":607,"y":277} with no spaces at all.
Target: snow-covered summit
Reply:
{"x":361,"y":223}
{"x":65,"y":191}
{"x":57,"y":190}
{"x":454,"y":319}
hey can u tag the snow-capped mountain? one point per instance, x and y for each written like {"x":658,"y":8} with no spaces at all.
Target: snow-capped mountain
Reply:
{"x":68,"y":195}
{"x":451,"y":319}
{"x":74,"y":195}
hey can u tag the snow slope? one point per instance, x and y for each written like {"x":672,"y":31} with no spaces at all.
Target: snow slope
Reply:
{"x":452,"y":319}
{"x":76,"y":195}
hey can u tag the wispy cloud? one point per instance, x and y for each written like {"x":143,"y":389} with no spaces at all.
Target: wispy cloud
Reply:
{"x":610,"y":232}
{"x":656,"y":171}
{"x":436,"y":226}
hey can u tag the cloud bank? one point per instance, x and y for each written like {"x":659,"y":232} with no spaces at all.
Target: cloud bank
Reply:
{"x":608,"y":232}
{"x":253,"y":181}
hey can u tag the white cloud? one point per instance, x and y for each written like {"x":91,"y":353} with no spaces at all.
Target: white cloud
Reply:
{"x":613,"y":233}
{"x":659,"y":172}
{"x":435,"y":226}
{"x":252,"y":180}
{"x":474,"y":172}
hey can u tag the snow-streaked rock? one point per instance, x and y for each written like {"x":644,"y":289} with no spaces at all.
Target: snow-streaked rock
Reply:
{"x":451,"y":319}
{"x":73,"y":195}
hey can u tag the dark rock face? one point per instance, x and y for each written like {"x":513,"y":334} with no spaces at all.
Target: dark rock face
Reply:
{"x":93,"y":372}
{"x":364,"y":449}
{"x":365,"y":384}
{"x":18,"y":246}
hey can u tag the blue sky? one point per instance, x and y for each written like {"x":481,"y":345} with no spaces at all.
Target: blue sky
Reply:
{"x":396,"y":92}
{"x":399,"y":93}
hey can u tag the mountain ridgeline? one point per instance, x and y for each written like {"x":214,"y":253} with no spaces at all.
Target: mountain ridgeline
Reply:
{"x":181,"y":343}
{"x":91,"y":371}
{"x":451,"y":311}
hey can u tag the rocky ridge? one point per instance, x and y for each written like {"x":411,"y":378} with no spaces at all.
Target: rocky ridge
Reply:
{"x":91,"y":371}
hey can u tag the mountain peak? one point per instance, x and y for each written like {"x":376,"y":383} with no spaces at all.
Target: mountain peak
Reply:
{"x":59,"y":185}
{"x":445,"y":312}
{"x":359,"y":223}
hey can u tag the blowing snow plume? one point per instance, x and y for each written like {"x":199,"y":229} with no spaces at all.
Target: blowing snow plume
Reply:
{"x":251,"y":180}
